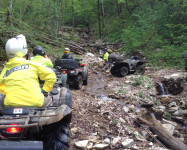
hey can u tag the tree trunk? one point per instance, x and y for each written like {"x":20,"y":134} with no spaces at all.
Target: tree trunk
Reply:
{"x":63,"y":15}
{"x":85,"y":16}
{"x":162,"y":133}
{"x":152,"y":4}
{"x":102,"y":12}
{"x":10,"y":11}
{"x":58,"y":19}
{"x":73,"y":19}
{"x":20,"y":12}
{"x":98,"y":15}
{"x":127,"y":6}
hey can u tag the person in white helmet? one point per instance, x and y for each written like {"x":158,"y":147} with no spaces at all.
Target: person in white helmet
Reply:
{"x":19,"y":77}
{"x":67,"y":54}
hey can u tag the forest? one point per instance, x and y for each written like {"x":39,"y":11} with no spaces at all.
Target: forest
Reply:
{"x":139,"y":101}
{"x":157,"y":28}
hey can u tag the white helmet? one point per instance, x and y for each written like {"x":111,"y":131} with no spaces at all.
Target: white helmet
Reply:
{"x":16,"y":46}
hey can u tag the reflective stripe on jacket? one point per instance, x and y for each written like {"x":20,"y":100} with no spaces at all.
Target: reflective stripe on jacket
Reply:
{"x":19,"y":82}
{"x":44,"y":61}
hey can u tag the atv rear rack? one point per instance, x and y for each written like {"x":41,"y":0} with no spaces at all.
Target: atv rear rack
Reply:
{"x":36,"y":117}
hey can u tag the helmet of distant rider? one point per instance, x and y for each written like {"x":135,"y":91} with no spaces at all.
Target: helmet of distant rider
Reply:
{"x":66,"y":50}
{"x":16,"y":46}
{"x":38,"y":50}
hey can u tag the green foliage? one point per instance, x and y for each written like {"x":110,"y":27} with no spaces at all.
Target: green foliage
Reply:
{"x":141,"y":95}
{"x":167,"y":56}
{"x":121,"y":91}
{"x":138,"y":24}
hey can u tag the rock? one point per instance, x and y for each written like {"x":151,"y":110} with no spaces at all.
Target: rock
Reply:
{"x":122,"y":120}
{"x":169,"y":127}
{"x":164,"y":121}
{"x":82,"y":144}
{"x":162,"y":108}
{"x":116,"y":140}
{"x":173,"y":109}
{"x":106,"y":141}
{"x":74,"y":130}
{"x":101,"y":146}
{"x":90,"y":145}
{"x":126,"y":109}
{"x":127,"y":143}
{"x":138,"y":136}
{"x":90,"y":54}
{"x":175,"y":82}
{"x":173,"y":104}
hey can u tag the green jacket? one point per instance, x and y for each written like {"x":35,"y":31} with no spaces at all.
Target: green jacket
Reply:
{"x":44,"y":61}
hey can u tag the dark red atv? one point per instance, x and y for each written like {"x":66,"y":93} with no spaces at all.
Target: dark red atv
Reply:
{"x":73,"y":73}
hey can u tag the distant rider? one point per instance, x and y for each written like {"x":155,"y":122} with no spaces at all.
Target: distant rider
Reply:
{"x":67,"y":54}
{"x":19,"y":77}
{"x":106,"y":53}
{"x":41,"y":57}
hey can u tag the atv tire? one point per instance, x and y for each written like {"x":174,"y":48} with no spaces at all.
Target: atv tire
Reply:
{"x":114,"y":71}
{"x":123,"y":71}
{"x":78,"y":82}
{"x":64,"y":80}
{"x":57,"y":135}
{"x":85,"y":77}
{"x":140,"y":70}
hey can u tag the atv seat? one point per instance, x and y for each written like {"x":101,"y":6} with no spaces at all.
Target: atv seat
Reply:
{"x":116,"y":58}
{"x":68,"y":63}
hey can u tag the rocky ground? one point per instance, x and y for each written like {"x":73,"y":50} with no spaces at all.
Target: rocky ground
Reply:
{"x":106,"y":111}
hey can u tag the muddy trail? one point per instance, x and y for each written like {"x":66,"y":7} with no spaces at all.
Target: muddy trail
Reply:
{"x":106,"y":111}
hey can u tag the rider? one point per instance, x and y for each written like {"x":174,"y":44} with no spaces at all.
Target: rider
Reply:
{"x":67,"y":54}
{"x":19,"y":77}
{"x":106,"y":53}
{"x":41,"y":57}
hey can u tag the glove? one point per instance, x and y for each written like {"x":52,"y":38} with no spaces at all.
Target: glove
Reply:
{"x":43,"y":91}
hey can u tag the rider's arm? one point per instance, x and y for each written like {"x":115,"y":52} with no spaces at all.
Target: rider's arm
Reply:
{"x":48,"y":75}
{"x":48,"y":63}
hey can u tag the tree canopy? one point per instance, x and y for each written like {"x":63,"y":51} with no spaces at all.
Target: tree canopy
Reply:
{"x":139,"y":24}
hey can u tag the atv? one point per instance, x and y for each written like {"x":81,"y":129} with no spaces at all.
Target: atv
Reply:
{"x":74,"y":72}
{"x":23,"y":128}
{"x":122,"y":67}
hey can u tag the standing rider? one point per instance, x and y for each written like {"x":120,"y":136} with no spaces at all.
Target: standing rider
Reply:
{"x":41,"y":57}
{"x":105,"y":57}
{"x":19,"y":77}
{"x":67,"y":54}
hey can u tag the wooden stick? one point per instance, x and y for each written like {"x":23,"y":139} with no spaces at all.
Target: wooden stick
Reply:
{"x":162,"y":133}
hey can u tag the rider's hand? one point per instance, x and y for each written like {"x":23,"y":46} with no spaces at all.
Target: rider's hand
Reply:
{"x":45,"y":56}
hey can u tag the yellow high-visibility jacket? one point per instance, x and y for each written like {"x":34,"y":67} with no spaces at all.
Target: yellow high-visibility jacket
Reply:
{"x":105,"y":56}
{"x":19,"y":82}
{"x":44,"y":61}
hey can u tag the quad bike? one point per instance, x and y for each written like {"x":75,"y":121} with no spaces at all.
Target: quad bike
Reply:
{"x":75,"y":74}
{"x":23,"y":128}
{"x":122,"y":67}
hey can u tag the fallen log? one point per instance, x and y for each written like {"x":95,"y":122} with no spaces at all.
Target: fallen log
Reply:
{"x":162,"y":133}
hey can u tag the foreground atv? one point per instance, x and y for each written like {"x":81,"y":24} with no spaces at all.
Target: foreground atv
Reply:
{"x":122,"y":67}
{"x":75,"y":73}
{"x":23,"y":128}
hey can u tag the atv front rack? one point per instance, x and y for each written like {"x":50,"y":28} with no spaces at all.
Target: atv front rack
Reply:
{"x":35,"y":116}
